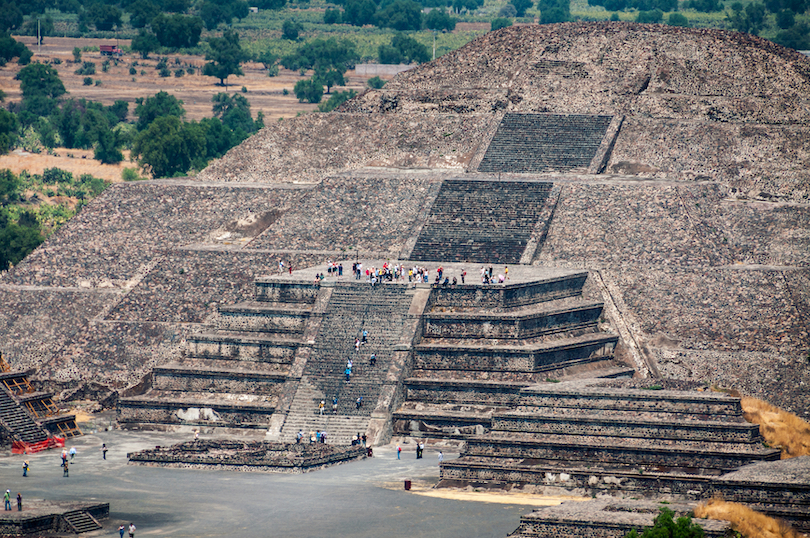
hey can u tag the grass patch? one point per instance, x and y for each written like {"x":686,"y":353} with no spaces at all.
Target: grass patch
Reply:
{"x":779,"y":428}
{"x":744,"y":520}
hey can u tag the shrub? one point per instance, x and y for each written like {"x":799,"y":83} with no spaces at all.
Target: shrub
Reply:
{"x":130,"y":174}
{"x":375,"y":82}
{"x":97,"y":82}
{"x":132,"y":71}
{"x":190,"y":70}
{"x":87,"y":68}
{"x":244,"y":89}
{"x":179,"y":73}
{"x":335,"y":100}
{"x":500,"y":22}
{"x":650,"y":17}
{"x":165,"y":72}
{"x":678,"y":19}
{"x":88,"y":81}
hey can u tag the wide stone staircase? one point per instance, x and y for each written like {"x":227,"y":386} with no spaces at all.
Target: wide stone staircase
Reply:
{"x":527,"y":143}
{"x":352,"y":308}
{"x":481,"y":346}
{"x":481,"y":221}
{"x":231,"y":374}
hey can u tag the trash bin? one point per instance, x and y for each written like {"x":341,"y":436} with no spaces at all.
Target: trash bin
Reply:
{"x":407,"y":485}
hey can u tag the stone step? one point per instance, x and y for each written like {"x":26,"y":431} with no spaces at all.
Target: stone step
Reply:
{"x":81,"y":522}
{"x":255,"y":347}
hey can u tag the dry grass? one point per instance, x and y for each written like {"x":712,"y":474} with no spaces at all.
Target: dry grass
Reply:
{"x":749,"y":523}
{"x":82,"y":162}
{"x":778,"y":427}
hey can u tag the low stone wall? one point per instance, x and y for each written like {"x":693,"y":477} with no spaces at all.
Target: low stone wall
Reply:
{"x":258,"y":318}
{"x":445,"y":391}
{"x":286,"y":291}
{"x":232,"y":382}
{"x":249,"y":456}
{"x":133,"y":411}
{"x":508,"y":296}
{"x":628,"y":427}
{"x":240,"y":349}
{"x":510,"y":327}
{"x":620,"y":451}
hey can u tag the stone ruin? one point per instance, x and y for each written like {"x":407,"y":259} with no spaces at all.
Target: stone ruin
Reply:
{"x":646,"y":186}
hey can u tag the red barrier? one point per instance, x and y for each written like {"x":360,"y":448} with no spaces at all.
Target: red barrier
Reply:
{"x":21,"y":447}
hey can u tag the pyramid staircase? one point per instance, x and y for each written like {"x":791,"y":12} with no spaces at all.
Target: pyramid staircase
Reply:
{"x":531,"y":143}
{"x":353,"y":307}
{"x":481,"y":346}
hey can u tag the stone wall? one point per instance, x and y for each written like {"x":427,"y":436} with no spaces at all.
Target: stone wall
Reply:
{"x":507,"y":296}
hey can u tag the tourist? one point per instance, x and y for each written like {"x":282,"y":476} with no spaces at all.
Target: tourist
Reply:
{"x":318,"y":436}
{"x":506,"y":272}
{"x":312,"y":438}
{"x":280,"y":267}
{"x":359,"y":402}
{"x":121,"y":530}
{"x":399,"y":451}
{"x":64,"y":457}
{"x":19,"y":502}
{"x":334,"y":405}
{"x":104,"y":450}
{"x":320,"y":407}
{"x":348,"y":373}
{"x":364,"y":438}
{"x":65,"y":472}
{"x":7,"y":500}
{"x":441,"y":457}
{"x":357,"y":344}
{"x":373,"y":359}
{"x":25,"y":468}
{"x":131,"y":530}
{"x":72,"y":453}
{"x":340,"y":269}
{"x":349,"y":363}
{"x":323,"y":437}
{"x":421,"y":449}
{"x":299,"y":436}
{"x":463,"y":274}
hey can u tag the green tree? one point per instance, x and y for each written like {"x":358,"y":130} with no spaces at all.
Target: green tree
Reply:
{"x":215,"y":12}
{"x":104,"y":17}
{"x":144,"y":43}
{"x":108,"y":148}
{"x":77,"y":55}
{"x":226,"y":56}
{"x":521,"y":6}
{"x":337,"y":99}
{"x":308,"y":90}
{"x":234,"y":112}
{"x":678,"y":19}
{"x":10,"y":48}
{"x":403,"y":49}
{"x":218,"y":138}
{"x":151,"y":108}
{"x":750,"y":19}
{"x":177,"y":31}
{"x":329,"y":78}
{"x":8,"y":130}
{"x":9,"y":186}
{"x":16,"y":242}
{"x":500,"y":22}
{"x":785,"y":19}
{"x":439,"y":20}
{"x":401,"y":15}
{"x":797,"y":37}
{"x":323,"y":54}
{"x":359,"y":12}
{"x":332,"y":16}
{"x":665,"y":526}
{"x":11,"y":17}
{"x":267,"y":58}
{"x":40,"y":80}
{"x":141,"y":13}
{"x":169,"y":146}
{"x":650,"y":17}
{"x":290,"y":29}
{"x":375,"y":82}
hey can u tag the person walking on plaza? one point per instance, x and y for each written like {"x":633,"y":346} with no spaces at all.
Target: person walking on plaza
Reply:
{"x":131,"y":530}
{"x":19,"y":502}
{"x":25,"y":468}
{"x":72,"y":453}
{"x":441,"y":457}
{"x":65,"y":472}
{"x":104,"y":450}
{"x":7,"y":500}
{"x":399,"y":451}
{"x":121,"y":530}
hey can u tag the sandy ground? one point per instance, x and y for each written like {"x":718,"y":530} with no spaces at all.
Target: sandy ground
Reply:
{"x":76,"y":161}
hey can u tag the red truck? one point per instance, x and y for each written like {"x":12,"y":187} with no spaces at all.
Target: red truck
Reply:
{"x":110,"y":50}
